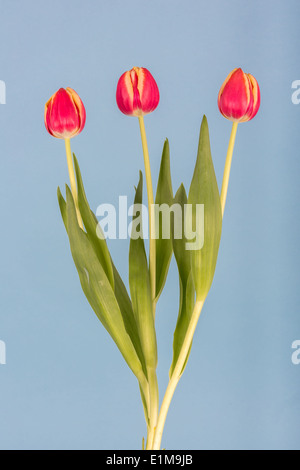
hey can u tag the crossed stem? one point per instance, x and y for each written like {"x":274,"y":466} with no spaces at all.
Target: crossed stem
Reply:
{"x":177,"y":373}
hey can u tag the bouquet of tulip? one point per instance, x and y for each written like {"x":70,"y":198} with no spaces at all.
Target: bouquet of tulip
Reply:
{"x":188,"y":225}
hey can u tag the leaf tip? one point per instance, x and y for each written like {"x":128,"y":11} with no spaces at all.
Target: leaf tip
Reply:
{"x":204,"y":121}
{"x":69,"y":195}
{"x":75,"y":161}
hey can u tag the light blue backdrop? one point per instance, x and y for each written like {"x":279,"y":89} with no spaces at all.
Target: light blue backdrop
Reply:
{"x":65,"y":385}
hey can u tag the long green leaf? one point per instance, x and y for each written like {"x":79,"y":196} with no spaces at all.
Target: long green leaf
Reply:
{"x":187,"y":289}
{"x":125,"y":306}
{"x":204,"y":190}
{"x":139,"y":282}
{"x":164,"y":196}
{"x":91,"y":223}
{"x":97,"y":288}
{"x":63,"y":208}
{"x":101,"y":250}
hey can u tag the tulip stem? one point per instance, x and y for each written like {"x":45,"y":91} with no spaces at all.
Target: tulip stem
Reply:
{"x":154,"y":405}
{"x":228,"y":166}
{"x":73,"y":180}
{"x":152,"y":241}
{"x":152,"y":378}
{"x":177,"y":373}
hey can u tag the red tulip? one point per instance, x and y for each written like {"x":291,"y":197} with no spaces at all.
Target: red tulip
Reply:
{"x":64,"y":114}
{"x":239,"y":96}
{"x":137,"y":92}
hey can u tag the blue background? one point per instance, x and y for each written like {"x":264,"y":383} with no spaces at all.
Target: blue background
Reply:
{"x":65,"y":385}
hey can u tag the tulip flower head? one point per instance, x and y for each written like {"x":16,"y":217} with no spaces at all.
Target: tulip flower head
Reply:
{"x":64,"y":114}
{"x":239,"y":96}
{"x":137,"y":92}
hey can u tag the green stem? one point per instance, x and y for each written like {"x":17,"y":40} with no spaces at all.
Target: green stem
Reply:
{"x":177,"y":372}
{"x":151,"y":372}
{"x":154,"y":405}
{"x":73,"y":180}
{"x":228,"y":166}
{"x":152,"y":241}
{"x":176,"y":375}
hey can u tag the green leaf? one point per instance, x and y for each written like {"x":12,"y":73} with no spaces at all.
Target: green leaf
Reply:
{"x":100,"y":248}
{"x":145,"y":405}
{"x":92,"y":226}
{"x":204,"y":190}
{"x":63,"y":207}
{"x":139,"y":282}
{"x":186,"y":284}
{"x":102,"y":252}
{"x":97,"y":288}
{"x":124,"y":303}
{"x":182,"y":255}
{"x":125,"y":306}
{"x":164,"y":196}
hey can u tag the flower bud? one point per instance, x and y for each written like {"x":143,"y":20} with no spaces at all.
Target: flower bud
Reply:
{"x":137,"y":92}
{"x":239,"y":96}
{"x":64,"y":114}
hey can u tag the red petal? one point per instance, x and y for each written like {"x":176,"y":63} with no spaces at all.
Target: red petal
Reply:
{"x":149,"y":91}
{"x":80,"y":108}
{"x":124,"y":94}
{"x":137,"y":92}
{"x":256,"y":95}
{"x":235,"y":97}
